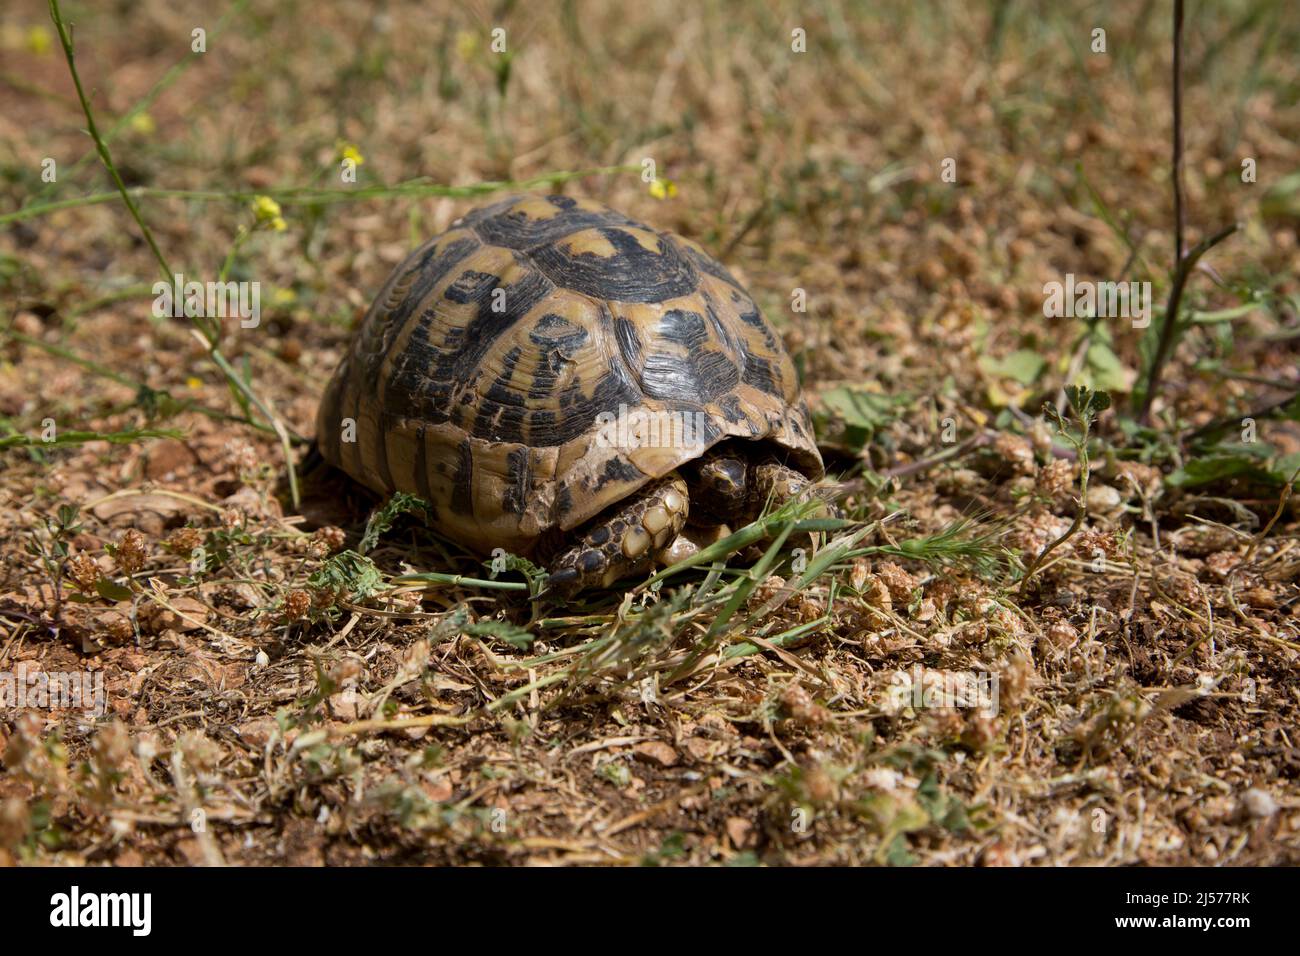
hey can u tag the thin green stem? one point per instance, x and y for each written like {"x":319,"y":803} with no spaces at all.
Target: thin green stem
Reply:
{"x":240,"y":238}
{"x":65,"y":38}
{"x":81,"y":437}
{"x":460,"y":580}
{"x":313,"y":195}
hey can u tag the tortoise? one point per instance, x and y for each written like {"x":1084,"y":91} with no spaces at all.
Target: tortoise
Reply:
{"x":564,"y":383}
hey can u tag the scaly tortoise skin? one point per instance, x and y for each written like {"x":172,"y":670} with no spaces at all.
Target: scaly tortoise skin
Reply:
{"x":478,"y":375}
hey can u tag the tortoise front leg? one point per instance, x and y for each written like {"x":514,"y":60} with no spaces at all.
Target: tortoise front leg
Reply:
{"x":624,"y":543}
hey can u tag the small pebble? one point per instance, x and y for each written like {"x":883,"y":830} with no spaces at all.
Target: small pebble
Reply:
{"x":1258,"y":804}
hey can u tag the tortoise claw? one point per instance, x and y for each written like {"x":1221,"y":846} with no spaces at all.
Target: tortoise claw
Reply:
{"x":560,"y":583}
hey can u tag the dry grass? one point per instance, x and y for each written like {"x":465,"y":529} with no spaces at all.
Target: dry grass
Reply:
{"x":282,"y":705}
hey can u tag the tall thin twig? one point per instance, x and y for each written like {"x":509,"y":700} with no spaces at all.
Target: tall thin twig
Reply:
{"x":1184,"y":263}
{"x":1179,"y":222}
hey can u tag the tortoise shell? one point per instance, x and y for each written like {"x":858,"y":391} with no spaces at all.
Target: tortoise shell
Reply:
{"x":487,"y":374}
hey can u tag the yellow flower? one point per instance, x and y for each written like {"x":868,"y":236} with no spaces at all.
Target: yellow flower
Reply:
{"x":350,"y":151}
{"x":143,"y":123}
{"x":284,"y":297}
{"x":193,"y":382}
{"x":663,"y":188}
{"x":264,"y":207}
{"x":267,"y":212}
{"x":466,"y":44}
{"x":39,"y":40}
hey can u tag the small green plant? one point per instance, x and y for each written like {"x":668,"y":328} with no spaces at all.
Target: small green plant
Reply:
{"x":673,"y":847}
{"x":511,"y":634}
{"x":349,"y":575}
{"x":50,"y":546}
{"x":1086,"y":406}
{"x":616,"y":772}
{"x":381,"y":520}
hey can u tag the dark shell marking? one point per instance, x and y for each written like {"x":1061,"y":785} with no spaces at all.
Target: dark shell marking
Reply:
{"x":477,"y":377}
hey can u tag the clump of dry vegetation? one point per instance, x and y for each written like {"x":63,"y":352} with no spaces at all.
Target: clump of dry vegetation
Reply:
{"x":1057,"y":626}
